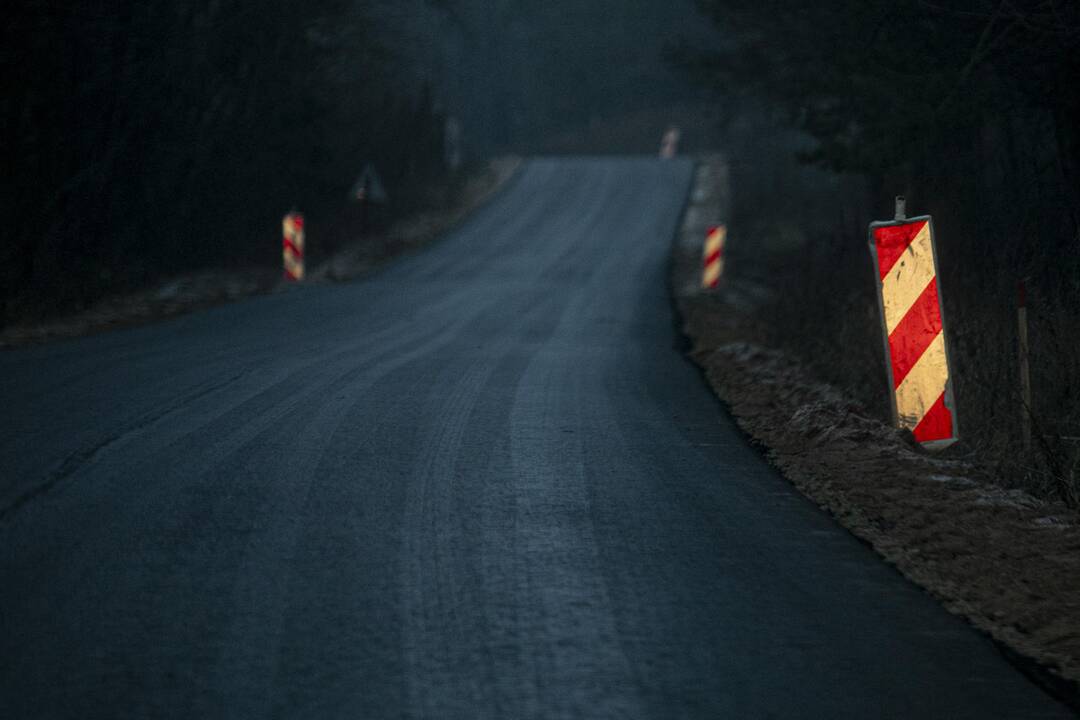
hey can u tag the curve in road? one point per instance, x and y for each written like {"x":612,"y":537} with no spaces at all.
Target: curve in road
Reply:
{"x":482,"y":483}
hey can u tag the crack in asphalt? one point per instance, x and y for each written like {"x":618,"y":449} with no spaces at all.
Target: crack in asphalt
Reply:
{"x":80,"y":458}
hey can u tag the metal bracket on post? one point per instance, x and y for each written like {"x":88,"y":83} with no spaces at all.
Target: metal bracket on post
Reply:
{"x":901,"y":208}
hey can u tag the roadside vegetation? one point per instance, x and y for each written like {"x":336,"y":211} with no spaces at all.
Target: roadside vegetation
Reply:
{"x":148,"y":141}
{"x":145,"y":140}
{"x":972,"y":111}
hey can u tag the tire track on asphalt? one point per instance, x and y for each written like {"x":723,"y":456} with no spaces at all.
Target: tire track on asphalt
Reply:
{"x":351,"y":542}
{"x":76,"y":461}
{"x":429,"y":515}
{"x":238,"y":436}
{"x":581,"y":667}
{"x":252,"y":646}
{"x":436,"y":552}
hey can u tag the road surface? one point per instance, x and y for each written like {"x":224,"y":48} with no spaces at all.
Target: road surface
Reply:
{"x":482,"y":484}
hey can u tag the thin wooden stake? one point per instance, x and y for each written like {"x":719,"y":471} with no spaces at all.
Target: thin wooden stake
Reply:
{"x":1025,"y":366}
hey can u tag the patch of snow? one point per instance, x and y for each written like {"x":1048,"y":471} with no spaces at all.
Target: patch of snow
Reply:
{"x":1007,"y":498}
{"x":951,"y":480}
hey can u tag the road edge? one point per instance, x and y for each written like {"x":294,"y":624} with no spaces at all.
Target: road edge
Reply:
{"x":210,"y":288}
{"x":722,"y":329}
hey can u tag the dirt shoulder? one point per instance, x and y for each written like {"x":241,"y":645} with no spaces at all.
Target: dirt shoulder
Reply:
{"x":200,"y":290}
{"x":1003,"y":559}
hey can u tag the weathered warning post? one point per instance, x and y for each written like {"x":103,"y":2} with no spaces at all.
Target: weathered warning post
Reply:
{"x":669,"y":145}
{"x":914,"y":328}
{"x":292,"y":246}
{"x":713,"y":257}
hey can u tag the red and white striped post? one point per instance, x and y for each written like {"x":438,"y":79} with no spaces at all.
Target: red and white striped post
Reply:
{"x":669,"y":145}
{"x":713,"y":256}
{"x":292,"y":246}
{"x":914,"y":328}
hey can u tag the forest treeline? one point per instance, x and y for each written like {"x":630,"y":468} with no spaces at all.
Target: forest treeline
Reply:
{"x":150,"y":137}
{"x":517,"y":72}
{"x":146,"y":139}
{"x":970,"y":108}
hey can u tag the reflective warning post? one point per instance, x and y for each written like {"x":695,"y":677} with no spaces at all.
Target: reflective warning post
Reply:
{"x":293,"y":246}
{"x":914,"y":329}
{"x":669,"y":144}
{"x":713,"y":257}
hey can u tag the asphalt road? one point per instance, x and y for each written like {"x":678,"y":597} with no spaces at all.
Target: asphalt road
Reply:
{"x":482,"y":484}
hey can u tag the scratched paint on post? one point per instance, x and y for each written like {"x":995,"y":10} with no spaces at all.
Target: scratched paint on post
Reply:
{"x":914,"y":330}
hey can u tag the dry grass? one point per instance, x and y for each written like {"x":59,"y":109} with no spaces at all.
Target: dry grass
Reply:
{"x":983,"y":527}
{"x":205,"y":289}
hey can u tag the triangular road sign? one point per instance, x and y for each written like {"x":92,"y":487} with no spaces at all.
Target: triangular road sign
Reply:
{"x":369,"y":188}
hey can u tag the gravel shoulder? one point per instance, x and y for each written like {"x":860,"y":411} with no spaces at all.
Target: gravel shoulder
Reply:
{"x":1003,"y":559}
